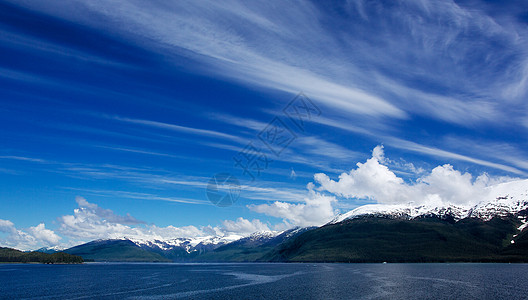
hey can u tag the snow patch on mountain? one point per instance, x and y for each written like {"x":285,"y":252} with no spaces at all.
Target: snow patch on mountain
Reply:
{"x":56,"y":248}
{"x":503,"y":199}
{"x":524,"y":223}
{"x":52,"y":249}
{"x":263,"y":235}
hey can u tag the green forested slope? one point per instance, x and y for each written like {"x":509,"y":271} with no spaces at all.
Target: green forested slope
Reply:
{"x":419,"y":240}
{"x":13,"y":255}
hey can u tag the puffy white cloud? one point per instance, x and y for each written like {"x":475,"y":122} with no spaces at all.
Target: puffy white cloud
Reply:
{"x":6,"y":226}
{"x":35,"y":237}
{"x":46,"y":235}
{"x":374,"y":180}
{"x":243,"y":226}
{"x":317,"y":209}
{"x":379,"y":154}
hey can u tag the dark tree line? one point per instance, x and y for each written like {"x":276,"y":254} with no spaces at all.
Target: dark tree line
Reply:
{"x":13,"y":255}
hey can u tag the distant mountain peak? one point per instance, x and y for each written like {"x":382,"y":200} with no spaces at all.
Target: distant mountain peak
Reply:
{"x":51,"y":249}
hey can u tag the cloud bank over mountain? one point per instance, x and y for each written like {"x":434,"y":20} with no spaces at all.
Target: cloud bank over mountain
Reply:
{"x":372,"y":181}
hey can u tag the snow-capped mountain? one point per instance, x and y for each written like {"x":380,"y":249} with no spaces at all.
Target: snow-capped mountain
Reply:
{"x":256,"y":238}
{"x":180,"y":249}
{"x":199,"y":244}
{"x":510,"y":198}
{"x":260,"y":236}
{"x":52,"y":249}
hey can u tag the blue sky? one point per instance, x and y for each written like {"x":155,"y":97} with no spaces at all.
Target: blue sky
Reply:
{"x":117,"y":114}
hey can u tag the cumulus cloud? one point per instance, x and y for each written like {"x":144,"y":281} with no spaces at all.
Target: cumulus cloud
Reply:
{"x":37,"y":236}
{"x":106,"y":213}
{"x":48,"y":236}
{"x":244,"y":226}
{"x":373,"y":180}
{"x":8,"y":228}
{"x":317,"y":209}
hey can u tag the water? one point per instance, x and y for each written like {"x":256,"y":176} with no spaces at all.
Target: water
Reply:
{"x":264,"y":281}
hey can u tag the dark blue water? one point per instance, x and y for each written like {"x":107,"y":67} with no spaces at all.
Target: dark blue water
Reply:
{"x":264,"y":281}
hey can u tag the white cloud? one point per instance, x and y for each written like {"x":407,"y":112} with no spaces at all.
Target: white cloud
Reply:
{"x":317,"y":209}
{"x":181,"y":129}
{"x":519,"y":86}
{"x":21,"y":158}
{"x":35,"y":237}
{"x":293,"y":175}
{"x":375,"y":181}
{"x":49,"y":237}
{"x":253,"y":44}
{"x":371,"y":179}
{"x":316,"y":146}
{"x":244,"y":227}
{"x":7,"y":226}
{"x":260,"y":45}
{"x":105,"y":213}
{"x":379,"y":154}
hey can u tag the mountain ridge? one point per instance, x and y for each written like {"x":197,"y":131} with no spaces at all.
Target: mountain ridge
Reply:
{"x":495,"y":225}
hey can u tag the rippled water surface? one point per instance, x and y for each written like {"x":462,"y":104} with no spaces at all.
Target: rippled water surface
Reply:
{"x":264,"y":281}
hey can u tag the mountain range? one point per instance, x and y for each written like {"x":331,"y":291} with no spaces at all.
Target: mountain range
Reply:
{"x":490,"y":230}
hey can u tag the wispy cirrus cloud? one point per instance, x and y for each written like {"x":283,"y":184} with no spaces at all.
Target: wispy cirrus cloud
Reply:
{"x":453,"y":63}
{"x":137,"y":195}
{"x":294,"y":50}
{"x":179,"y":128}
{"x":507,"y":152}
{"x":305,"y":149}
{"x":200,"y":28}
{"x":24,"y":158}
{"x":431,"y":151}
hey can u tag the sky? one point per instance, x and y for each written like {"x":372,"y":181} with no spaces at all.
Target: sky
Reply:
{"x":116,"y":115}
